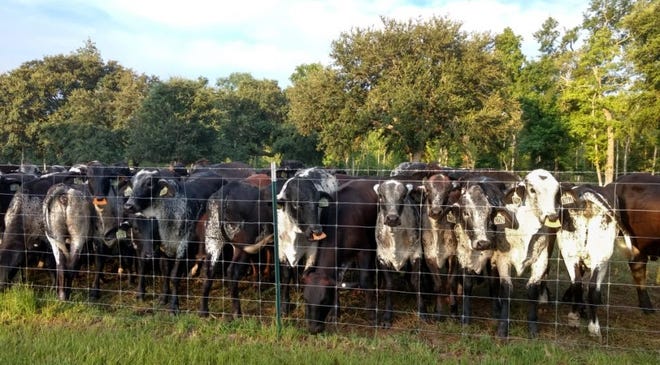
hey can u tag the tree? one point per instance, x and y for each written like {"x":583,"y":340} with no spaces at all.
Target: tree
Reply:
{"x":178,"y":120}
{"x":643,"y":131}
{"x":594,"y":93}
{"x":544,"y":140}
{"x":68,"y":108}
{"x":415,"y":84}
{"x":255,"y":110}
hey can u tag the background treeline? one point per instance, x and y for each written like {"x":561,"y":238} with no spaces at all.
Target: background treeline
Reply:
{"x":421,"y":90}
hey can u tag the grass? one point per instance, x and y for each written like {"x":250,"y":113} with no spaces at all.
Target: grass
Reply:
{"x":37,"y":328}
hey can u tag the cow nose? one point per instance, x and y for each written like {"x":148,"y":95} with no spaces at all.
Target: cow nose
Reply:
{"x":129,"y":208}
{"x":481,"y":245}
{"x":392,"y":220}
{"x":316,"y":234}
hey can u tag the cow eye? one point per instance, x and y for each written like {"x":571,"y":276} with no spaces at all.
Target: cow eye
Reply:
{"x":532,"y":190}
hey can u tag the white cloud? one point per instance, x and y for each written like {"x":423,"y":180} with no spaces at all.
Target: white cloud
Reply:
{"x":265,"y":38}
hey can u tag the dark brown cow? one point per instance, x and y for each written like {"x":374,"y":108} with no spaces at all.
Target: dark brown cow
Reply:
{"x":638,"y":203}
{"x":351,"y":240}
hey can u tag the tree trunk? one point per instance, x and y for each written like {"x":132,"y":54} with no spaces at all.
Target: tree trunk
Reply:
{"x":609,"y":163}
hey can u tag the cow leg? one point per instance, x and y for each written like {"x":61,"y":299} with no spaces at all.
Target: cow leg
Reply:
{"x":595,"y":300}
{"x":453,"y":280}
{"x":533,"y":291}
{"x":368,"y":285}
{"x":504,"y":306}
{"x":389,"y":308}
{"x":211,"y":271}
{"x":99,"y":263}
{"x":638,"y":269}
{"x":179,"y":270}
{"x":574,"y":295}
{"x":141,"y":264}
{"x":437,"y":281}
{"x":493,"y":289}
{"x":415,"y":278}
{"x":468,"y":282}
{"x":286,"y":272}
{"x":165,"y":269}
{"x":238,"y":269}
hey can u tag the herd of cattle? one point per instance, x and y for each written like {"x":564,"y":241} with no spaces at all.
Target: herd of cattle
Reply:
{"x":451,"y":227}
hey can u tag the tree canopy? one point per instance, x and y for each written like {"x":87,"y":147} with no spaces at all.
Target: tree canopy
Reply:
{"x":417,"y":89}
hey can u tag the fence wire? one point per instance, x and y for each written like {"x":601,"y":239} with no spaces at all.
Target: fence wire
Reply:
{"x":622,"y":321}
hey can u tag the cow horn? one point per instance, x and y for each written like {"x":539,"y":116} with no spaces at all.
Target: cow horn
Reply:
{"x":256,"y":247}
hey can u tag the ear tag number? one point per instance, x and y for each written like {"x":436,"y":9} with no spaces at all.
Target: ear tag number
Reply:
{"x":499,"y":219}
{"x":567,"y":199}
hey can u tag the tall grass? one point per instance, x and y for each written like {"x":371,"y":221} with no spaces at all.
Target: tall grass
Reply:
{"x":38,"y":329}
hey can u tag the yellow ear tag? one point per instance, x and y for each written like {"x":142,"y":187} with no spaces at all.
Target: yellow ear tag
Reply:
{"x":552,"y":224}
{"x":567,"y":199}
{"x":499,"y":219}
{"x":451,"y":218}
{"x":516,"y":200}
{"x":163,"y":191}
{"x":121,"y":234}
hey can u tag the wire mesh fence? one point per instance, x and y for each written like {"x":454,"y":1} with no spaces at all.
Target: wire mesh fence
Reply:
{"x":623,"y":323}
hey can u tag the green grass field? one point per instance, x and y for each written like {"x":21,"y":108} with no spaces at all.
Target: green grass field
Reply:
{"x":118,"y":329}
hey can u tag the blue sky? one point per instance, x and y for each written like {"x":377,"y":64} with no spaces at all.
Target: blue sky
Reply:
{"x":266,"y":38}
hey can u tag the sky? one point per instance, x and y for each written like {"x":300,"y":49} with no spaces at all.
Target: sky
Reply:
{"x":266,"y":38}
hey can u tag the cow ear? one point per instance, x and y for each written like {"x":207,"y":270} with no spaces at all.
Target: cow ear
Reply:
{"x":417,"y":193}
{"x":14,"y":187}
{"x":450,"y":213}
{"x":324,"y":201}
{"x":515,"y":195}
{"x":503,"y":218}
{"x":167,"y":189}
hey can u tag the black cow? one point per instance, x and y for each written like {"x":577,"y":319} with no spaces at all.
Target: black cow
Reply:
{"x":300,"y":202}
{"x":473,"y":212}
{"x":438,"y":240}
{"x":142,"y":233}
{"x":239,"y":215}
{"x":350,"y":224}
{"x":637,"y":200}
{"x":177,"y":205}
{"x":106,"y":185}
{"x":24,"y":236}
{"x":399,"y":247}
{"x":9,"y":184}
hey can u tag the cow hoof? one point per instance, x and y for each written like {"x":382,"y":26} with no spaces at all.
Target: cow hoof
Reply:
{"x":573,"y":319}
{"x":386,"y":324}
{"x":203,"y":313}
{"x":94,"y":294}
{"x":503,"y":330}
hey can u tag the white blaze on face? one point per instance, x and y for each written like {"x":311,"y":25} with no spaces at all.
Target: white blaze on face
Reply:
{"x":541,"y":196}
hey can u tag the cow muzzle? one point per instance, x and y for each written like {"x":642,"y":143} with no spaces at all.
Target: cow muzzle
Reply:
{"x":393,"y":220}
{"x":100,"y":202}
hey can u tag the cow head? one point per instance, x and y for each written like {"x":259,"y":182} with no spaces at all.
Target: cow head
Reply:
{"x":147,"y":186}
{"x":320,"y":293}
{"x":302,"y":198}
{"x":539,"y":191}
{"x":100,"y":179}
{"x":435,"y":192}
{"x":392,"y":197}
